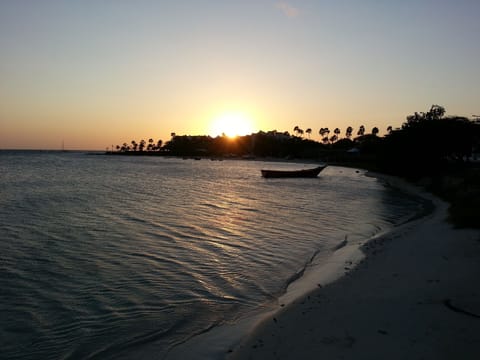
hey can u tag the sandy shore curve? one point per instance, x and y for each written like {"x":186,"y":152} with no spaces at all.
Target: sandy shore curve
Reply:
{"x":414,"y":296}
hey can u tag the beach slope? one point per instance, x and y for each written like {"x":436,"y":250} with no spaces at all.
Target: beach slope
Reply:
{"x":415,"y":296}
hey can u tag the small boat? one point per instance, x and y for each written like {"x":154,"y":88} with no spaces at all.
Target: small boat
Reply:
{"x":305,"y":173}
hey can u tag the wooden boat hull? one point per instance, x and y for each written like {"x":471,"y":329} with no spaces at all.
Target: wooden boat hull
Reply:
{"x":303,"y":173}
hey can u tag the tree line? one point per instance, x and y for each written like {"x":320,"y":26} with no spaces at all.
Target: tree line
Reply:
{"x":325,"y":132}
{"x":189,"y":143}
{"x":140,"y":146}
{"x":429,"y":146}
{"x":425,"y":141}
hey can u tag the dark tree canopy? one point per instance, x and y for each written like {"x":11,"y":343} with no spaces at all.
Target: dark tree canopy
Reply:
{"x":428,"y":142}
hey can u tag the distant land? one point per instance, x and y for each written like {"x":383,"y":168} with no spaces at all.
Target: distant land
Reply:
{"x":440,"y":152}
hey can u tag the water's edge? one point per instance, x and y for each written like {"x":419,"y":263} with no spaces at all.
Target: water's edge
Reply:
{"x":217,"y":342}
{"x":170,"y":252}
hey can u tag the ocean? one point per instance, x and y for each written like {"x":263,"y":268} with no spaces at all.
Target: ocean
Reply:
{"x":108,"y":257}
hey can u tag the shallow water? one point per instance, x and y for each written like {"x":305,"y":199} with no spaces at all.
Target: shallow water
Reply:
{"x":106,"y":256}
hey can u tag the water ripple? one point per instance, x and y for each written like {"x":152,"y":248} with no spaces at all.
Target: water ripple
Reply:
{"x":102,"y":257}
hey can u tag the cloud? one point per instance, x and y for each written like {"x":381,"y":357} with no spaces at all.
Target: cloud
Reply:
{"x":288,"y":9}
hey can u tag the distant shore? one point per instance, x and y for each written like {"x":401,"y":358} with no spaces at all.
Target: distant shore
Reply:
{"x":414,"y":296}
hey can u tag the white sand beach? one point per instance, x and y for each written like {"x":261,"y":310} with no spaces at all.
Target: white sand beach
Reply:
{"x":416,"y":295}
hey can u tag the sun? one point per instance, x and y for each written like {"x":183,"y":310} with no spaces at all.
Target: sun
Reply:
{"x":232,"y":124}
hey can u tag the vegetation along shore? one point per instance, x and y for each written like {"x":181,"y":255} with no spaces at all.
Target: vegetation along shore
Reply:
{"x":441,"y":153}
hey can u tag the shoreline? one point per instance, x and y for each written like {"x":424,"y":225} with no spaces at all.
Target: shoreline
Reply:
{"x":414,"y":295}
{"x":226,"y":340}
{"x":220,"y":341}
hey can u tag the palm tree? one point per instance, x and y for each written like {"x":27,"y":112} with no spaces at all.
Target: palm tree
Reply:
{"x":142,"y":145}
{"x":348,"y":132}
{"x":159,"y":144}
{"x":297,"y":130}
{"x":308,"y":131}
{"x":324,"y":133}
{"x":336,"y":132}
{"x":389,"y":129}
{"x":375,"y":131}
{"x":361,"y":130}
{"x":134,"y":145}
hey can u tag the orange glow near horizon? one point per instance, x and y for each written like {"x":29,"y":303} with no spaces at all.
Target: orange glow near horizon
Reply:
{"x":232,"y":124}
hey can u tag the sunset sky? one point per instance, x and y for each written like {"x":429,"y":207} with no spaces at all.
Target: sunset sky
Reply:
{"x":97,"y":73}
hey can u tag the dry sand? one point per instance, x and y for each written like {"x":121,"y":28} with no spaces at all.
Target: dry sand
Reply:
{"x":416,"y":295}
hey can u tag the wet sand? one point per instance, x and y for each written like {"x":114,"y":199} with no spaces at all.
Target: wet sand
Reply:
{"x":415,"y":295}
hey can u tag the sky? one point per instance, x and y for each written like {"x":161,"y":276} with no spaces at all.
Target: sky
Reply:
{"x":93,"y":74}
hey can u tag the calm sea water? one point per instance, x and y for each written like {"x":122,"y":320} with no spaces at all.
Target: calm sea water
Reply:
{"x":109,"y":256}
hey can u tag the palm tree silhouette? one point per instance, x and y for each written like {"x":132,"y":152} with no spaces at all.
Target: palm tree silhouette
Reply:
{"x":348,"y":132}
{"x":297,"y":130}
{"x":325,"y":132}
{"x":336,"y":132}
{"x":361,"y":130}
